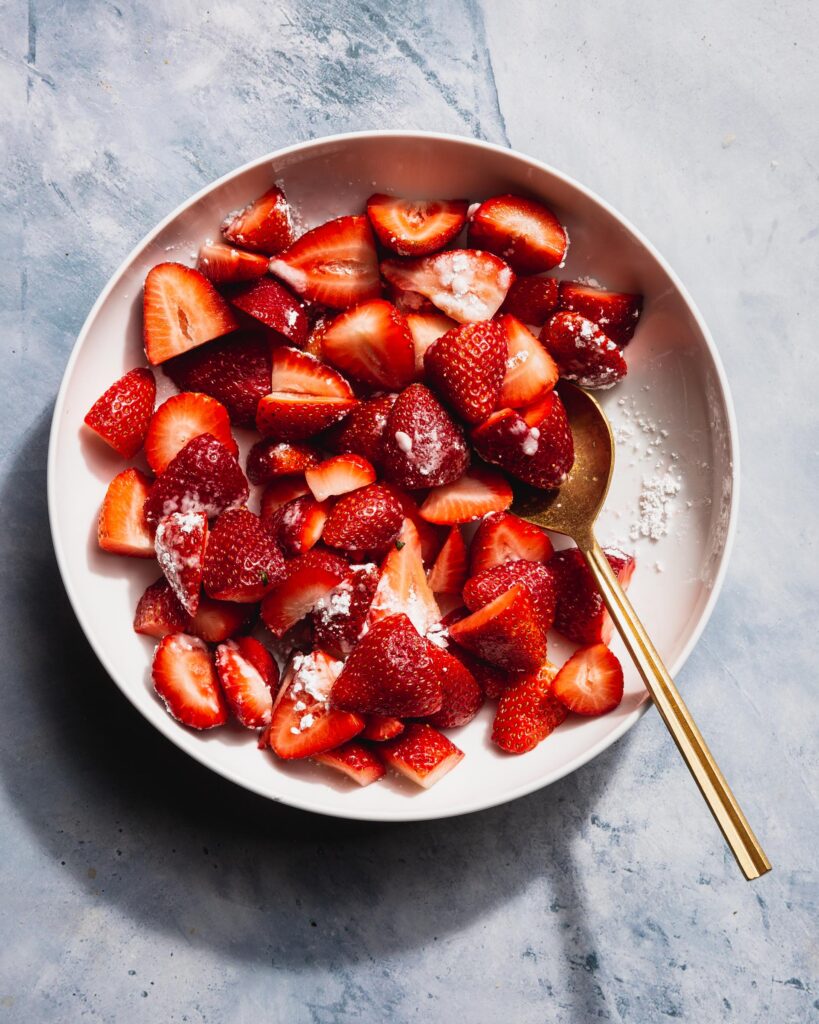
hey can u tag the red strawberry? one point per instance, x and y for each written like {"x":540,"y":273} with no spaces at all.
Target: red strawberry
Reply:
{"x":431,"y":537}
{"x":303,"y":374}
{"x":159,"y":612}
{"x":272,"y":305}
{"x":616,"y":313}
{"x":339,"y":474}
{"x":506,"y":632}
{"x":415,"y":227}
{"x":463,"y":283}
{"x":181,"y":309}
{"x":267,"y":460}
{"x":340,"y":615}
{"x":203,"y":477}
{"x":315,"y":339}
{"x":121,"y":528}
{"x":297,"y":526}
{"x":372,"y":343}
{"x":248,"y":675}
{"x":526,"y":233}
{"x":448,"y":574}
{"x":287,"y":416}
{"x":234,"y":370}
{"x":402,"y":584}
{"x":281,"y":491}
{"x":422,"y":754}
{"x":580,"y":614}
{"x":583,"y":352}
{"x":527,"y":712}
{"x":422,"y":446}
{"x":392,"y":670}
{"x":502,"y":537}
{"x":364,"y":520}
{"x":185,"y":679}
{"x":461,"y":696}
{"x":355,"y":761}
{"x":181,"y":418}
{"x":591,"y":681}
{"x":493,"y":681}
{"x":242,"y":563}
{"x":477,"y":492}
{"x":363,"y":430}
{"x":335,"y":264}
{"x":217,"y":621}
{"x":467,"y":366}
{"x":532,"y":299}
{"x":263,"y":226}
{"x":180,"y":550}
{"x":530,"y":370}
{"x":382,"y":727}
{"x":537,"y":579}
{"x":121,"y":415}
{"x":222,"y":264}
{"x":426,"y":329}
{"x":309,"y":577}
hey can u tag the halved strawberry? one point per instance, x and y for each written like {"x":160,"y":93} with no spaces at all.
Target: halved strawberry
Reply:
{"x":526,"y":233}
{"x":281,"y":491}
{"x":217,"y":621}
{"x":185,"y":679}
{"x":467,"y":367}
{"x":402,"y":584}
{"x":181,"y":309}
{"x":335,"y":264}
{"x":273,"y":305}
{"x":426,"y":329}
{"x":267,"y":460}
{"x":431,"y":537}
{"x":355,"y":761}
{"x":530,"y":370}
{"x":223,"y":264}
{"x":583,"y":352}
{"x":591,"y":681}
{"x":373,"y":344}
{"x":581,"y":615}
{"x":303,"y":374}
{"x":181,"y":418}
{"x":287,"y":416}
{"x":248,"y":676}
{"x":422,"y":754}
{"x":120,"y":416}
{"x":415,"y":227}
{"x":506,"y":632}
{"x":448,"y":574}
{"x":363,"y":430}
{"x":532,"y":300}
{"x":527,"y":712}
{"x":501,"y":537}
{"x":461,"y":696}
{"x":265,"y":225}
{"x":616,"y":313}
{"x":466,"y":284}
{"x":382,"y":727}
{"x":537,"y":579}
{"x":422,"y":446}
{"x":242,"y":562}
{"x":159,"y":612}
{"x":366,"y":520}
{"x":121,"y":528}
{"x":339,"y":616}
{"x":477,"y":492}
{"x":309,"y":577}
{"x":180,"y":550}
{"x":298,"y":525}
{"x":339,"y":474}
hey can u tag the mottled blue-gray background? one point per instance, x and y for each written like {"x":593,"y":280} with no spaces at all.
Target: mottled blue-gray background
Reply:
{"x":135,"y":885}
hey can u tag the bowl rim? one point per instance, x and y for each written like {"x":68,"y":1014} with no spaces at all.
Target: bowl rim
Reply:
{"x":403,"y":812}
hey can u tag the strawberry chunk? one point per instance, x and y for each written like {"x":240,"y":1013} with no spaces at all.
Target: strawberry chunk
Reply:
{"x":467,"y":367}
{"x":267,"y":460}
{"x":583,"y":352}
{"x":448,"y":573}
{"x":309,"y":578}
{"x":185,"y":678}
{"x":430,"y":536}
{"x":461,"y":696}
{"x":248,"y":675}
{"x":536,"y":578}
{"x":339,"y":474}
{"x":159,"y":612}
{"x":526,"y":233}
{"x":581,"y":615}
{"x":355,"y":761}
{"x":242,"y":563}
{"x":363,"y":430}
{"x":402,"y":584}
{"x":272,"y":305}
{"x":340,"y":615}
{"x":527,"y":712}
{"x":382,"y":727}
{"x":279,"y":492}
{"x":297,"y":525}
{"x":181,"y":418}
{"x":120,"y":416}
{"x":366,"y":520}
{"x":303,"y":374}
{"x":422,"y":754}
{"x":287,"y":416}
{"x":217,"y":621}
{"x":422,"y":446}
{"x":616,"y":313}
{"x":502,"y":537}
{"x":532,"y":300}
{"x":477,"y":492}
{"x":315,"y":338}
{"x":121,"y":528}
{"x":222,"y":264}
{"x":408,"y":301}
{"x":372,"y":342}
{"x":415,"y":227}
{"x":591,"y":681}
{"x":530,"y":370}
{"x":265,"y":225}
{"x":426,"y":329}
{"x":506,"y":632}
{"x":180,"y":541}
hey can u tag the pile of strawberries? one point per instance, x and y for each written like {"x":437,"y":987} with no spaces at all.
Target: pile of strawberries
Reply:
{"x":395,"y":387}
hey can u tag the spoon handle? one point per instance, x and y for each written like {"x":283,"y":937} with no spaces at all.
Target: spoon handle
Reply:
{"x":678,"y":720}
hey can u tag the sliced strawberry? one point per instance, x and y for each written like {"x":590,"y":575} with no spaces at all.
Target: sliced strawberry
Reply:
{"x":415,"y":227}
{"x":422,"y":754}
{"x":492,"y":681}
{"x":267,"y":460}
{"x":339,"y":474}
{"x":372,"y":343}
{"x":265,"y":225}
{"x":222,"y":264}
{"x":180,"y":550}
{"x":242,"y":562}
{"x":181,"y":309}
{"x":506,"y":632}
{"x":273,"y":305}
{"x":532,"y":300}
{"x":502,"y":537}
{"x":581,"y":615}
{"x":121,"y":528}
{"x":448,"y":574}
{"x":159,"y":612}
{"x":409,"y":302}
{"x":616,"y":313}
{"x":315,"y":338}
{"x":185,"y":679}
{"x":422,"y":446}
{"x":530,"y":370}
{"x":298,"y":525}
{"x":463,"y":283}
{"x":591,"y":681}
{"x":181,"y":418}
{"x":303,"y":374}
{"x":217,"y":621}
{"x":477,"y":492}
{"x":537,"y":579}
{"x":363,"y":430}
{"x":526,"y":233}
{"x":120,"y":416}
{"x":467,"y":366}
{"x":527,"y":712}
{"x":281,"y":491}
{"x":431,"y":537}
{"x":461,"y":696}
{"x":310,"y":577}
{"x":402,"y":584}
{"x":426,"y":329}
{"x":339,"y":616}
{"x":335,"y":264}
{"x":248,"y":675}
{"x":287,"y":416}
{"x":355,"y":761}
{"x":583,"y":352}
{"x":382,"y":727}
{"x":366,"y":520}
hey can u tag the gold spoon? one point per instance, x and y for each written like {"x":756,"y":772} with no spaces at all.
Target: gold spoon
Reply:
{"x":572,"y":510}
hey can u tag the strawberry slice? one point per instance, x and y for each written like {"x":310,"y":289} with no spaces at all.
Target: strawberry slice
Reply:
{"x":402,"y":584}
{"x":120,"y":416}
{"x":287,"y":416}
{"x":583,"y":352}
{"x":409,"y":302}
{"x":415,"y":227}
{"x":591,"y":681}
{"x":217,"y":621}
{"x":502,"y":537}
{"x":335,"y":264}
{"x":422,"y":446}
{"x":616,"y":313}
{"x":448,"y":573}
{"x":363,"y":430}
{"x":121,"y":528}
{"x":339,"y":474}
{"x":279,"y":492}
{"x":242,"y":563}
{"x":422,"y":754}
{"x":272,"y":305}
{"x":527,"y":712}
{"x":467,"y":366}
{"x":366,"y":520}
{"x":315,"y":338}
{"x":159,"y":612}
{"x":581,"y":615}
{"x":298,"y":525}
{"x":339,"y":616}
{"x":426,"y":329}
{"x":536,"y":578}
{"x":526,"y":233}
{"x":532,"y":300}
{"x":466,"y":284}
{"x":382,"y":727}
{"x":461,"y":696}
{"x":181,"y":309}
{"x":477,"y":492}
{"x":265,"y":225}
{"x":185,"y":679}
{"x":267,"y":460}
{"x":309,"y":578}
{"x":222,"y":264}
{"x":303,"y":723}
{"x":372,"y":342}
{"x":303,"y":374}
{"x":506,"y":632}
{"x":355,"y":761}
{"x":248,"y":675}
{"x":180,"y":550}
{"x":181,"y":418}
{"x":530,"y":370}
{"x":203,"y":477}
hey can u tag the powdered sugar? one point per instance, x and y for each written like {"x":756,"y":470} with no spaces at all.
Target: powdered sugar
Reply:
{"x":404,"y":442}
{"x":657,"y":505}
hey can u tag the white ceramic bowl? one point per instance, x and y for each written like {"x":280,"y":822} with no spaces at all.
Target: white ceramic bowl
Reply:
{"x":675,"y":395}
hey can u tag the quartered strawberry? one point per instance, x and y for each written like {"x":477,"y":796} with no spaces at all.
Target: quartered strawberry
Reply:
{"x":616,"y":313}
{"x":340,"y":615}
{"x":288,"y":416}
{"x":181,"y":309}
{"x":309,"y":578}
{"x":242,"y":562}
{"x":180,"y":541}
{"x":178,"y":420}
{"x":506,"y":632}
{"x":477,"y":492}
{"x":203,"y":477}
{"x":121,"y":528}
{"x":449,"y":571}
{"x":267,"y":460}
{"x":526,"y":233}
{"x":591,"y":681}
{"x":279,"y":492}
{"x":402,"y":584}
{"x":303,"y":374}
{"x":527,"y":712}
{"x":159,"y":612}
{"x":335,"y":264}
{"x":461,"y":696}
{"x":185,"y":678}
{"x":382,"y":727}
{"x":265,"y":225}
{"x":355,"y":761}
{"x":466,"y":284}
{"x":583,"y":352}
{"x":248,"y":676}
{"x":422,"y":754}
{"x":120,"y":416}
{"x":581,"y":615}
{"x":273,"y":305}
{"x":467,"y":367}
{"x":492,"y":681}
{"x":422,"y":446}
{"x":297,"y":525}
{"x":426,"y":329}
{"x":217,"y":621}
{"x":530,"y":370}
{"x":366,"y":520}
{"x":537,"y":579}
{"x":223,"y":264}
{"x":415,"y":227}
{"x":532,"y":300}
{"x":502,"y":537}
{"x":372,"y":343}
{"x":363,"y":430}
{"x":339,"y":474}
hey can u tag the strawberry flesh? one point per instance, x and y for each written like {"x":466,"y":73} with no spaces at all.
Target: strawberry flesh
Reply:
{"x":591,"y":681}
{"x":506,"y":632}
{"x":181,"y":418}
{"x":297,"y":525}
{"x":185,"y":678}
{"x":273,"y":305}
{"x":526,"y":233}
{"x":373,"y":344}
{"x":530,"y":370}
{"x":247,"y":674}
{"x":448,"y":573}
{"x":339,"y":617}
{"x":223,"y":264}
{"x":415,"y":227}
{"x":502,"y":537}
{"x":309,"y":577}
{"x":265,"y":225}
{"x":121,"y":527}
{"x":476,"y":493}
{"x":304,"y":374}
{"x":355,"y":761}
{"x":180,"y":541}
{"x":422,"y":754}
